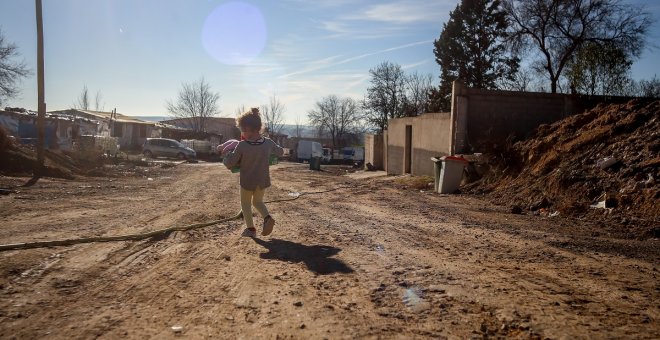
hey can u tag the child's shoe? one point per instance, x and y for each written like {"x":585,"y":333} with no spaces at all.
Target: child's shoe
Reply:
{"x":269,"y":223}
{"x":250,"y":232}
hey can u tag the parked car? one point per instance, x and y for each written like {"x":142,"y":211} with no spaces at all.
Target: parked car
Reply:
{"x":164,"y":147}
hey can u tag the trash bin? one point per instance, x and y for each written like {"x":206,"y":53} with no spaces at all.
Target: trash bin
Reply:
{"x":448,"y":173}
{"x":273,"y":160}
{"x":437,"y":166}
{"x":315,"y":163}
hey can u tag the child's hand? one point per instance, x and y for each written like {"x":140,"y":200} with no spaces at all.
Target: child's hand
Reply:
{"x":228,"y":146}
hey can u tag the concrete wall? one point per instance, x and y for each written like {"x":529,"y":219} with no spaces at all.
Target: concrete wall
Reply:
{"x":130,"y":137}
{"x":430,"y":137}
{"x":480,"y":121}
{"x":385,"y":143}
{"x":373,"y":150}
{"x":484,"y":119}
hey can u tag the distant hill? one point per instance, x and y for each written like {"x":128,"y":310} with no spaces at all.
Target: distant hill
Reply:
{"x":287,"y":129}
{"x":290,"y":129}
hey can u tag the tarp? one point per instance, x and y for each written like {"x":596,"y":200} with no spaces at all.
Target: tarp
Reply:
{"x":27,"y":133}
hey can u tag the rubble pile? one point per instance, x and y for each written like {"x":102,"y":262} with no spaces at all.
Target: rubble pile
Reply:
{"x":605,"y":161}
{"x":16,"y":159}
{"x":20,"y":160}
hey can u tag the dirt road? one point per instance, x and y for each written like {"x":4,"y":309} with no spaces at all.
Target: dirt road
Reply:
{"x":372,"y":260}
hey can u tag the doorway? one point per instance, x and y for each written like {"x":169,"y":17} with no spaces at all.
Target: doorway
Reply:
{"x":407,"y":156}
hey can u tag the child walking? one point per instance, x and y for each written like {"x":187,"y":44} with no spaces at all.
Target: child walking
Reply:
{"x":252,"y":154}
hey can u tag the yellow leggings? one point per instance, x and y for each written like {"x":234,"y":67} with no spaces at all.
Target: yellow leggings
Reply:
{"x":250,"y":198}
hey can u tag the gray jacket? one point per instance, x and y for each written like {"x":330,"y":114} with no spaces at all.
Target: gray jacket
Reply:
{"x":253,"y":158}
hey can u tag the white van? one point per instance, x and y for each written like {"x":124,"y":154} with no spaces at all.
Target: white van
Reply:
{"x":308,"y":149}
{"x":353,"y":153}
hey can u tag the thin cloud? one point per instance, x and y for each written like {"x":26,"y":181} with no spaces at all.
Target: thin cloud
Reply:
{"x":362,"y":56}
{"x":323,"y":4}
{"x":354,"y":30}
{"x":289,"y":47}
{"x":403,"y":12}
{"x":386,"y":20}
{"x":360,"y":80}
{"x":325,"y":64}
{"x":413,"y":65}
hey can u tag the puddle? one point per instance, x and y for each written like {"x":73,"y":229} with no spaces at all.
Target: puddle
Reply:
{"x":413,"y":298}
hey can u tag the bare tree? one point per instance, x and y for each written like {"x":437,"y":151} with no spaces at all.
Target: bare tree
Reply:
{"x":418,"y":88}
{"x":599,"y":69}
{"x":320,"y":132}
{"x":338,"y":116}
{"x":521,"y":81}
{"x":10,"y":71}
{"x":196,"y":102}
{"x":240,"y":110}
{"x":386,"y":95}
{"x":98,"y":106}
{"x":298,"y":128}
{"x":273,"y":115}
{"x":559,"y":28}
{"x":649,"y":88}
{"x":82,"y":102}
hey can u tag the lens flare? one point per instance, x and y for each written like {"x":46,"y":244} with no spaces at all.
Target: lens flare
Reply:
{"x":234,"y":33}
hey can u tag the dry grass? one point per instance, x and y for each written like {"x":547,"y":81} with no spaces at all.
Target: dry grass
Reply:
{"x":416,"y":182}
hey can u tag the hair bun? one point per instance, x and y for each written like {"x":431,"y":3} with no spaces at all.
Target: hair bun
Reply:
{"x":255,"y":110}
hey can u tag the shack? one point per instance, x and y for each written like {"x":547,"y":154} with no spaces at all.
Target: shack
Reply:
{"x":60,"y":131}
{"x":130,"y":131}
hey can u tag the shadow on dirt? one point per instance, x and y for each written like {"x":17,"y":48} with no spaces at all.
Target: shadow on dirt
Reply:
{"x":316,"y":257}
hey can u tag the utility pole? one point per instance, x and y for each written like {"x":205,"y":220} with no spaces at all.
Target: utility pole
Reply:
{"x":41,"y":108}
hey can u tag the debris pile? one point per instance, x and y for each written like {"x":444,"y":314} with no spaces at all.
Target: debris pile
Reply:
{"x":16,"y":159}
{"x":605,"y":161}
{"x":20,"y":160}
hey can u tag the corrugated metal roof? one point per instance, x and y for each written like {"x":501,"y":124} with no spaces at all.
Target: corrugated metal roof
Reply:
{"x":49,"y":115}
{"x":119,"y":117}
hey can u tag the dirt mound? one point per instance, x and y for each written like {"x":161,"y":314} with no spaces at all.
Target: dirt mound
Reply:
{"x":16,"y":159}
{"x":608,"y":157}
{"x":20,"y":160}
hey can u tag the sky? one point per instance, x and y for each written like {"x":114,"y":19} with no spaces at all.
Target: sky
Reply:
{"x":137,"y":54}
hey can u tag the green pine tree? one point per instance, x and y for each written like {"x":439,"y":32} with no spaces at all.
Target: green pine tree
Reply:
{"x":471,"y":48}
